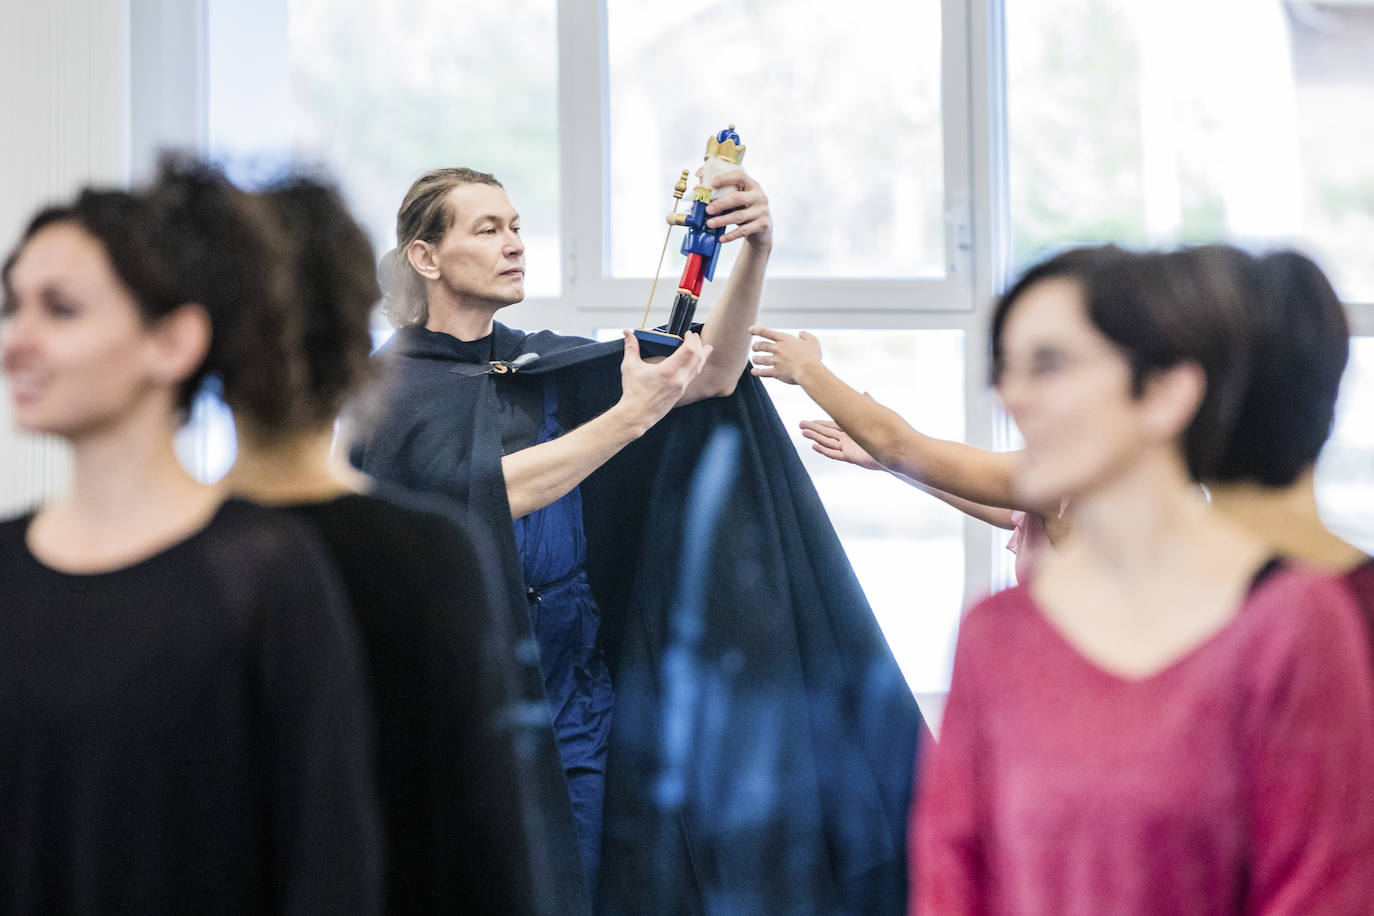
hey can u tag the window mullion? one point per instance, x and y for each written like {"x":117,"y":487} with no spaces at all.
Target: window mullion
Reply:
{"x":1361,"y":319}
{"x":582,"y":129}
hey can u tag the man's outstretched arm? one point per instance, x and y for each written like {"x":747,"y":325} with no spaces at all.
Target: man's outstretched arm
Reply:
{"x":543,"y":473}
{"x":727,"y":327}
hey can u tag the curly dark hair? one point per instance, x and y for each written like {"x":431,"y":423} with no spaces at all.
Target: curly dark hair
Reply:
{"x":220,"y":247}
{"x":335,"y":288}
{"x":180,"y":242}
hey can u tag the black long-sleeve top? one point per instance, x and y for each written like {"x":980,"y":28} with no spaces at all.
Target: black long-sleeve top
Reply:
{"x":186,"y":734}
{"x":439,"y":664}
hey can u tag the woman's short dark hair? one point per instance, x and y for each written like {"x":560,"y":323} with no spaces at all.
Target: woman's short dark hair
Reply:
{"x":335,"y":289}
{"x":1160,"y":309}
{"x":1301,"y":343}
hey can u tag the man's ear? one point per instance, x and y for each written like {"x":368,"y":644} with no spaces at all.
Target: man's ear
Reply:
{"x":181,"y":342}
{"x":420,"y":254}
{"x":1172,"y":397}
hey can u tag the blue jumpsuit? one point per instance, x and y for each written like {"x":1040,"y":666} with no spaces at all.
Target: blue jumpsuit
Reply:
{"x":566,"y":620}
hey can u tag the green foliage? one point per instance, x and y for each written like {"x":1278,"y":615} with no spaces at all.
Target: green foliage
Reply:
{"x":1076,"y":142}
{"x":388,"y":91}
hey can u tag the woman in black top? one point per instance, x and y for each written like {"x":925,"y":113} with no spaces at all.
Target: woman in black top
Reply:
{"x":448,"y":718}
{"x":181,"y":701}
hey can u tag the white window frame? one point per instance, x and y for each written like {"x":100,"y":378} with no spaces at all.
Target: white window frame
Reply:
{"x":170,"y":104}
{"x":1361,"y":317}
{"x":976,"y":228}
{"x":596,"y":298}
{"x":165,"y":42}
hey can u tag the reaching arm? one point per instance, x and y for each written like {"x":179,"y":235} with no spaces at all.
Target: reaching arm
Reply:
{"x":727,"y":327}
{"x":964,"y":471}
{"x":833,"y":442}
{"x":541,"y":474}
{"x":993,"y":515}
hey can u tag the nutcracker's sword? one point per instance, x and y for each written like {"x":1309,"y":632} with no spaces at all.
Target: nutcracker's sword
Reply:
{"x":678,"y":190}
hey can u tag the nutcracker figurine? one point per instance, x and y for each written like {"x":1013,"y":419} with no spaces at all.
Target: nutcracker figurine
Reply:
{"x":701,"y":245}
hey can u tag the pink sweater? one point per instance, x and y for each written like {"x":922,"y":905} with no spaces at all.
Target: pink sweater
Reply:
{"x":1360,"y":581}
{"x":1239,"y":779}
{"x":1029,"y":540}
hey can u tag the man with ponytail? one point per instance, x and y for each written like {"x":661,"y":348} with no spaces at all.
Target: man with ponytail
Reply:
{"x":459,"y":260}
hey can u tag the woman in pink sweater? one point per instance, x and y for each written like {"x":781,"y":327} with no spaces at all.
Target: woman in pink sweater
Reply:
{"x":1163,"y":720}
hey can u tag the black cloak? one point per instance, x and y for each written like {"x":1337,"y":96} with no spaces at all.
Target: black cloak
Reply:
{"x":764,"y":745}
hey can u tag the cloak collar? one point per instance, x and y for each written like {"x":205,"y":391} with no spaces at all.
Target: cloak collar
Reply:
{"x":422,"y":343}
{"x":542,"y":351}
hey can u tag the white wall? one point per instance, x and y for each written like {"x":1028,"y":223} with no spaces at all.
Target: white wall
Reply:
{"x":64,"y":90}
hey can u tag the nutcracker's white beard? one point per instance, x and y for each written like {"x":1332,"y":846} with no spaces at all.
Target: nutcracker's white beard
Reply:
{"x":715,"y":166}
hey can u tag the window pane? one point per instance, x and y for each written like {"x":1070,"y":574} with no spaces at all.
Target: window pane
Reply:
{"x":839,"y":110}
{"x":906,"y":547}
{"x":1127,"y":123}
{"x":382,"y":92}
{"x":1345,"y":474}
{"x":207,"y":444}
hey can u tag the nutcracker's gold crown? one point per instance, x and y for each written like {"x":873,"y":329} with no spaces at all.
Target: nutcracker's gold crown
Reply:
{"x":730,"y":151}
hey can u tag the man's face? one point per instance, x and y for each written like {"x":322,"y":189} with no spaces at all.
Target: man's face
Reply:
{"x":481,"y":258}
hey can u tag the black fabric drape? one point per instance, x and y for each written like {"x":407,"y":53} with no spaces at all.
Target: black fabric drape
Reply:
{"x":765,"y":739}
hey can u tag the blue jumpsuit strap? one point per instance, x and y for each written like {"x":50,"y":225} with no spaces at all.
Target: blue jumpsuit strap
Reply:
{"x":550,"y":426}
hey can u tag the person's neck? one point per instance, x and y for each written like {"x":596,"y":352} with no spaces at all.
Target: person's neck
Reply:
{"x":286,"y":468}
{"x":463,"y":320}
{"x":1288,"y":520}
{"x":129,"y":497}
{"x":1148,"y":570}
{"x":120,"y":469}
{"x":1132,"y":525}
